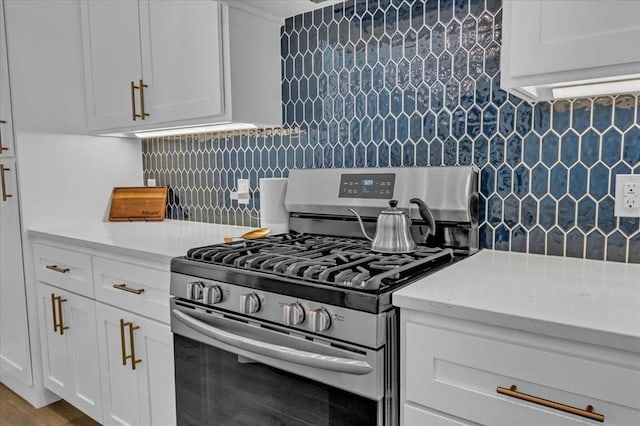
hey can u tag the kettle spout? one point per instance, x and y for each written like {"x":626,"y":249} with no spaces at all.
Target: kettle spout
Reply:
{"x":361,"y":224}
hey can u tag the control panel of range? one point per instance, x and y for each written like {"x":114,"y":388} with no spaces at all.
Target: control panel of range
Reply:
{"x":305,"y":315}
{"x":370,"y":185}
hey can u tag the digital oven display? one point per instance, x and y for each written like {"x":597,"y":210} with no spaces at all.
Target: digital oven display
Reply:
{"x":367,"y":185}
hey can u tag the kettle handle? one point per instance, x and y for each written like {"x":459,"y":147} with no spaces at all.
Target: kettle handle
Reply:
{"x":427,"y":216}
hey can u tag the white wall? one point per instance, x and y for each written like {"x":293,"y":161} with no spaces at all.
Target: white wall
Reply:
{"x":69,"y":178}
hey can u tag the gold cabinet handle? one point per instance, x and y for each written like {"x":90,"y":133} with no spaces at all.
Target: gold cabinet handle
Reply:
{"x":58,"y":323}
{"x":57,"y":269}
{"x":134,"y":361}
{"x":61,"y":325}
{"x":141,"y":86}
{"x":124,"y":287}
{"x":3,"y":182}
{"x":143,"y":114}
{"x":125,"y":357}
{"x":122,"y":344}
{"x":588,"y":412}
{"x":54,"y":298}
{"x":133,"y":101}
{"x":2,"y":148}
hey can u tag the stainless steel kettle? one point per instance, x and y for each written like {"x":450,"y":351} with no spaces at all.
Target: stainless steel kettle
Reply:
{"x":393,"y":228}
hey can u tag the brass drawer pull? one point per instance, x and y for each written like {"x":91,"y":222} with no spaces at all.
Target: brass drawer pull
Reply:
{"x":133,"y":102}
{"x":143,"y":114}
{"x":58,"y":324}
{"x":57,"y":269}
{"x":54,"y":298}
{"x":4,"y":182}
{"x":2,"y":148}
{"x":130,"y":290}
{"x":588,"y":412}
{"x":125,"y":357}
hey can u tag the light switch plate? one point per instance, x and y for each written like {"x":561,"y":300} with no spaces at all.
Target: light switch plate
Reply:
{"x":627,"y":196}
{"x":243,"y":191}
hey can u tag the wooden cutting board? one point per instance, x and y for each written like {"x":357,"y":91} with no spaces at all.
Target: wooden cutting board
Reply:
{"x":138,"y":203}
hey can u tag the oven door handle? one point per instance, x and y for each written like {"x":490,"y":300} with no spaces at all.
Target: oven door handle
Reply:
{"x":325,"y":362}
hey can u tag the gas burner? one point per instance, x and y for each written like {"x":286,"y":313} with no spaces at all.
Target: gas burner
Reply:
{"x":334,"y":261}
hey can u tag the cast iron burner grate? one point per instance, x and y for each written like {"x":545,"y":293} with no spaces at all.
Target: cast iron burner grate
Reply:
{"x":336,"y":261}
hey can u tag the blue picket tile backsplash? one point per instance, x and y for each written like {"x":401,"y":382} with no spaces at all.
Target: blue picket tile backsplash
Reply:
{"x":407,"y":83}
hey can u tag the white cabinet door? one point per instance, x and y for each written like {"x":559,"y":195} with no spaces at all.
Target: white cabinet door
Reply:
{"x":563,"y":42}
{"x":111,"y":42}
{"x":15,"y":352}
{"x":142,"y":393}
{"x":564,"y":35}
{"x":182,"y":59}
{"x":7,"y":148}
{"x":70,"y":348}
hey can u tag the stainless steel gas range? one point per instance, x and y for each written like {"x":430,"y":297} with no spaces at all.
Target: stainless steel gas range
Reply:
{"x":298,"y":328}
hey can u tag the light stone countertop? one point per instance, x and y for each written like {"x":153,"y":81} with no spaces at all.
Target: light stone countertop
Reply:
{"x":585,"y":300}
{"x":155,"y":241}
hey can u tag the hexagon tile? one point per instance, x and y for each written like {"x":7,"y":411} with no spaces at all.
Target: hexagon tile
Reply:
{"x":387,"y":83}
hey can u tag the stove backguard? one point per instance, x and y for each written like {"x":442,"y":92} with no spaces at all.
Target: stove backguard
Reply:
{"x":317,"y":205}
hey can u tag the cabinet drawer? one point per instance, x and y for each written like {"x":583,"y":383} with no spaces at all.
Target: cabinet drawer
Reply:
{"x":459,"y":373}
{"x":135,"y":288}
{"x":67,"y":269}
{"x":419,"y":416}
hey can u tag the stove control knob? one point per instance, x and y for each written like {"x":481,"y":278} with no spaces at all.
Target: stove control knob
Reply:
{"x":249,"y":303}
{"x":194,"y":290}
{"x":293,"y":314}
{"x":319,"y":320}
{"x":211,"y":295}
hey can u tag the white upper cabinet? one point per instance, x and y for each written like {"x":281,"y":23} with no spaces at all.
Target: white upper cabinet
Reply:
{"x":112,"y":61}
{"x":565,"y":43}
{"x":155,"y":64}
{"x":7,"y":148}
{"x":182,"y":64}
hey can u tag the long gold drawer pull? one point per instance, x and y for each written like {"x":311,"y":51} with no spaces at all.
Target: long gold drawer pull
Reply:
{"x":143,"y":114}
{"x":57,"y":269}
{"x":4,"y":182}
{"x":134,"y":361}
{"x":2,"y":148}
{"x":125,"y":357}
{"x":54,"y":298}
{"x":130,"y":290}
{"x":61,"y":325}
{"x":588,"y":412}
{"x":133,"y":102}
{"x":122,"y":344}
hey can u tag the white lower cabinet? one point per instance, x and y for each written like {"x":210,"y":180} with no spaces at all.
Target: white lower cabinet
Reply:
{"x":457,"y":372}
{"x":70,"y":348}
{"x":136,"y":364}
{"x":113,"y":364}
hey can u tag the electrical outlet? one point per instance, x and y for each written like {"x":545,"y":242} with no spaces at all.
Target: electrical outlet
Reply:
{"x":151,"y":182}
{"x":627,"y":196}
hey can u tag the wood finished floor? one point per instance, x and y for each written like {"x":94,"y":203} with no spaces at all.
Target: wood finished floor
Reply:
{"x":15,"y":411}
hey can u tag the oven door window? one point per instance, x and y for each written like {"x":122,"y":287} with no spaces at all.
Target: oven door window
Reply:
{"x":216,"y":387}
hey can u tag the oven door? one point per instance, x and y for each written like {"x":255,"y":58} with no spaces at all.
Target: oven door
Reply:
{"x":231,"y":370}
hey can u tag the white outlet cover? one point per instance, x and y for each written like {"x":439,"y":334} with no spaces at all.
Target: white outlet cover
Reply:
{"x":621,"y":209}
